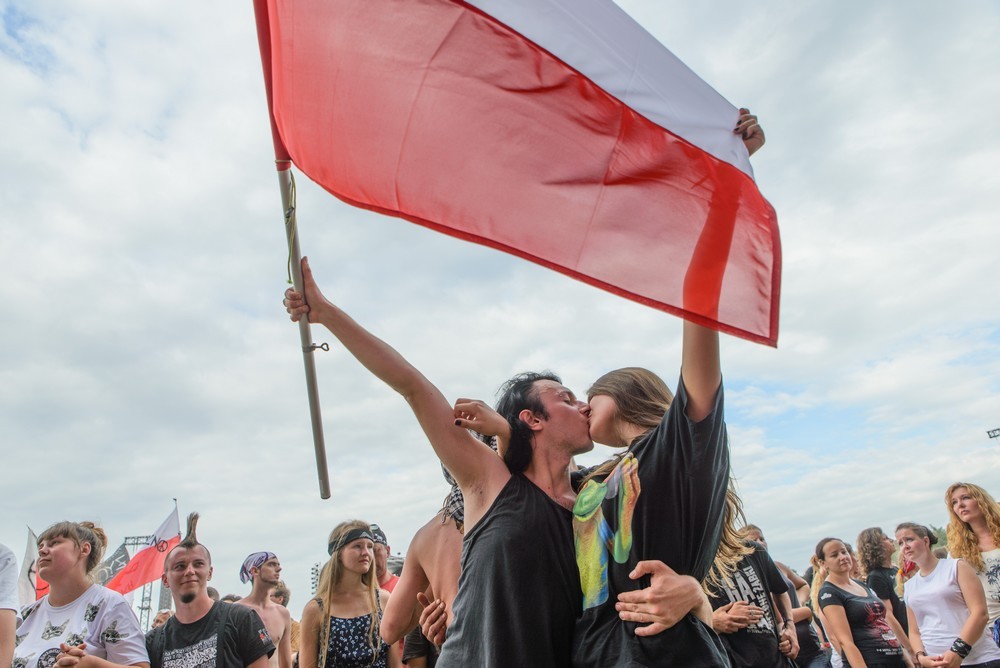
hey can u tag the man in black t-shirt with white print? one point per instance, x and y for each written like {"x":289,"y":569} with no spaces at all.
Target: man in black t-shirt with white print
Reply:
{"x":204,"y":633}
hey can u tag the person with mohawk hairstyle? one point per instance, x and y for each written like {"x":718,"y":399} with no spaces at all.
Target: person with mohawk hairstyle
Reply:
{"x":204,"y":633}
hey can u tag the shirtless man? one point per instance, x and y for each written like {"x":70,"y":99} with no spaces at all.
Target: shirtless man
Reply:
{"x":431,"y":568}
{"x":263,"y":570}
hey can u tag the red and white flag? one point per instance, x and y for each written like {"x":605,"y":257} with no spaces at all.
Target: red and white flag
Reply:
{"x":146,"y":565}
{"x":556,"y":130}
{"x":30,"y":587}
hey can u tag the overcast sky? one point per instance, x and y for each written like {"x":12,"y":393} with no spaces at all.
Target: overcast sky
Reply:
{"x":144,"y":353}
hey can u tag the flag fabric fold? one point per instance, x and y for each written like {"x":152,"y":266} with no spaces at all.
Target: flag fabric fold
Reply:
{"x":146,"y":565}
{"x":556,"y":130}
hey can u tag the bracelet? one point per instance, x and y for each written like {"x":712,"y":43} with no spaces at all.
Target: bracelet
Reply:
{"x":961,"y":648}
{"x":919,"y":653}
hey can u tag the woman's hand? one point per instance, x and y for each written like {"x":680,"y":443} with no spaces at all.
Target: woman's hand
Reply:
{"x":481,"y":418}
{"x":751,"y":133}
{"x":71,"y":655}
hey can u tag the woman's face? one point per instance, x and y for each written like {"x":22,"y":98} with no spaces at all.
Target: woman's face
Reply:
{"x":358,"y":556}
{"x":603,"y":419}
{"x":836,"y":558}
{"x":911,"y":546}
{"x":59,"y":555}
{"x":964,"y":505}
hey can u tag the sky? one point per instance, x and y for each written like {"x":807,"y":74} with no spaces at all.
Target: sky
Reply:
{"x":145,"y":355}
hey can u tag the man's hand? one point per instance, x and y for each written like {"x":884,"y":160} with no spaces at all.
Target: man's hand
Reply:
{"x":433,"y":619}
{"x":312,"y":302}
{"x":750,"y":131}
{"x":665,"y":602}
{"x":732,"y":617}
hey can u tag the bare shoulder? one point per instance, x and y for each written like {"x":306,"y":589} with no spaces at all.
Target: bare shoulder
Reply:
{"x":311,"y":612}
{"x":247,"y":604}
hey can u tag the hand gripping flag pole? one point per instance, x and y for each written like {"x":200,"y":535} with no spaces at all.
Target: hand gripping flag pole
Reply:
{"x":287,"y":184}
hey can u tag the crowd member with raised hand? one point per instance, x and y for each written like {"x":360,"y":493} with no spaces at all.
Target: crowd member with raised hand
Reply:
{"x":855,"y":614}
{"x":974,"y":535}
{"x":875,"y":550}
{"x":340,"y":626}
{"x":946,"y":606}
{"x":78,"y":622}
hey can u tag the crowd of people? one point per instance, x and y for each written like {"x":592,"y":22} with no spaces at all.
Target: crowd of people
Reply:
{"x":645,"y":560}
{"x":936,"y":607}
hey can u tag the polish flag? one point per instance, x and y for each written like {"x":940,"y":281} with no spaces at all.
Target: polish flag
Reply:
{"x":147,"y":564}
{"x":556,"y":130}
{"x":30,"y":586}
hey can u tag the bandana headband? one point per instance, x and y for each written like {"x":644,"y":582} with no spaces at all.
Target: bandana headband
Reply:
{"x":350,"y":537}
{"x":255,"y":560}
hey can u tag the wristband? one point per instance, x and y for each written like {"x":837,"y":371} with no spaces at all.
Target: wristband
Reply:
{"x":919,"y":653}
{"x":961,"y":648}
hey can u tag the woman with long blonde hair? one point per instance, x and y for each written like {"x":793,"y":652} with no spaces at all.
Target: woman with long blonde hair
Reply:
{"x":77,"y":621}
{"x":340,"y":626}
{"x":974,"y":535}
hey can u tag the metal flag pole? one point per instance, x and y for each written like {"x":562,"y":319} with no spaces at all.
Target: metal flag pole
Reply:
{"x":287,"y":185}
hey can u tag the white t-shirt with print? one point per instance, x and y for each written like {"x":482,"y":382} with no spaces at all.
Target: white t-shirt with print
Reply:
{"x":101,"y":618}
{"x":8,"y":580}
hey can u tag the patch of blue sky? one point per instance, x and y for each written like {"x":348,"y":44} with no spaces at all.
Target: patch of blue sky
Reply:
{"x":19,"y":41}
{"x":822,"y":431}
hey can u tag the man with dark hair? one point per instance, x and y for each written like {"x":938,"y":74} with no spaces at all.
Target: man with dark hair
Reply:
{"x":203,"y":632}
{"x":262,"y":570}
